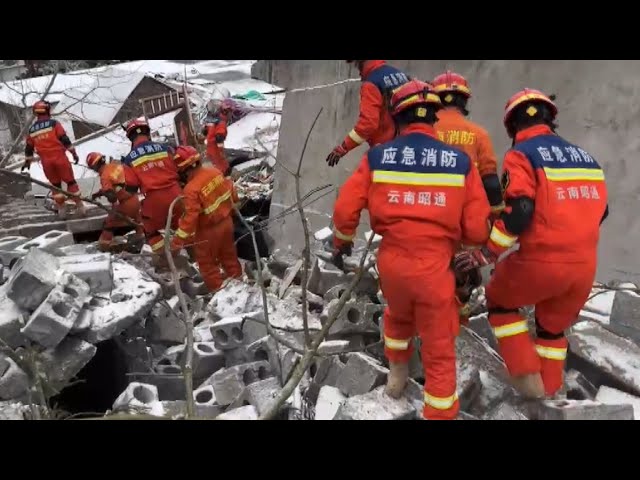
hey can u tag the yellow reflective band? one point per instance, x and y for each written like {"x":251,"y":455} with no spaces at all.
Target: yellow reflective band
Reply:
{"x":395,"y":344}
{"x":40,"y":132}
{"x":511,"y":329}
{"x":419,"y":98}
{"x":449,"y":87}
{"x":552,"y":353}
{"x":118,"y":188}
{"x":440,"y":403}
{"x":213,"y":207}
{"x":498,"y":208}
{"x":182,"y":234}
{"x":342,"y":236}
{"x":571,"y":174}
{"x":406,"y":178}
{"x":157,"y":246}
{"x":502,"y":239}
{"x":148,"y":158}
{"x":353,"y":135}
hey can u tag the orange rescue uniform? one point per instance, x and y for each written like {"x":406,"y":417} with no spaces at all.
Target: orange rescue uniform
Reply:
{"x":120,"y":185}
{"x":423,"y":198}
{"x":216,"y":135}
{"x":152,"y":164}
{"x":555,"y":266}
{"x":208,"y":203}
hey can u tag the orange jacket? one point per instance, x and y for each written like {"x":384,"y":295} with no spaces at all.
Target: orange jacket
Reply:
{"x":152,"y":164}
{"x":570,"y":195}
{"x":216,"y":135}
{"x":455,"y":129}
{"x":375,"y":125}
{"x":208,"y":199}
{"x":118,"y":182}
{"x":48,"y":138}
{"x":423,"y":196}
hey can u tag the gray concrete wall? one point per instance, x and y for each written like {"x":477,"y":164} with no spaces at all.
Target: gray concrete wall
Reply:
{"x":599,"y":103}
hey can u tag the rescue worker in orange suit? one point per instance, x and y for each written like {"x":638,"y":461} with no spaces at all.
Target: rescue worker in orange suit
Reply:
{"x":153,"y":166}
{"x":216,"y":133}
{"x":424,"y":197}
{"x":48,"y":138}
{"x":120,"y":187}
{"x":375,"y":125}
{"x":556,"y":200}
{"x":207,"y":221}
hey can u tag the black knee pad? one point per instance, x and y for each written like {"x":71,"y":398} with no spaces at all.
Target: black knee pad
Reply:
{"x":545,"y":334}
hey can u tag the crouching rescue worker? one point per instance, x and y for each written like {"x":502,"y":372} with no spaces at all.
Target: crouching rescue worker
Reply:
{"x":375,"y":124}
{"x":216,"y":133}
{"x":556,"y":199}
{"x":49,"y":140}
{"x":152,"y":164}
{"x":120,"y":187}
{"x":423,"y":197}
{"x":207,"y":221}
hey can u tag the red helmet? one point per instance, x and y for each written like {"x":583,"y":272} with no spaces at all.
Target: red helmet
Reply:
{"x":185,"y":156}
{"x":411,"y":94}
{"x":95,"y":160}
{"x":137,"y":126}
{"x":527,"y":95}
{"x":41,"y":107}
{"x":451,"y":82}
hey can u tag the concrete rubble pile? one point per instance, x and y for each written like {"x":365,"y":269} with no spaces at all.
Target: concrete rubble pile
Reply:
{"x":64,"y":300}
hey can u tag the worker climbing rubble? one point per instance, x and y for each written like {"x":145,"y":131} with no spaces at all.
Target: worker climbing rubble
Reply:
{"x":49,"y":140}
{"x":153,"y":166}
{"x":207,"y":222}
{"x":375,"y":125}
{"x":215,"y":132}
{"x":556,"y":200}
{"x":424,"y":197}
{"x":119,"y":186}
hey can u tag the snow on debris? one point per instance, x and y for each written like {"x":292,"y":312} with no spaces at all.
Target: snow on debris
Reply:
{"x":246,"y":132}
{"x":611,"y":396}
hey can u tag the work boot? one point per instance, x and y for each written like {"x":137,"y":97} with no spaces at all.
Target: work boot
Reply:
{"x":529,"y":386}
{"x":62,"y":211}
{"x":397,"y":379}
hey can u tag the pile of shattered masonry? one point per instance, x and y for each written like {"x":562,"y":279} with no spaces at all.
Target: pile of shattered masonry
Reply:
{"x":59,"y":300}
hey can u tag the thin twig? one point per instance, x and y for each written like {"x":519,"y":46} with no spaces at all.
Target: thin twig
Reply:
{"x":188,"y":370}
{"x":305,"y":362}
{"x":306,"y":253}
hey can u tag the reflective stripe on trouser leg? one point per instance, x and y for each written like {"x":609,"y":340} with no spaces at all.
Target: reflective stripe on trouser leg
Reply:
{"x":553,"y":354}
{"x":398,"y":336}
{"x":514,"y":343}
{"x":156,"y":242}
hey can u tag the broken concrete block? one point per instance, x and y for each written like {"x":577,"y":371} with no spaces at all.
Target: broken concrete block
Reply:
{"x":334,"y":293}
{"x":170,"y":355}
{"x":174,"y":409}
{"x":289,"y":276}
{"x":11,"y":243}
{"x":351,"y":318}
{"x":228,"y":383}
{"x":315,"y":303}
{"x":14,"y":382}
{"x":468,"y":383}
{"x":361,"y":374}
{"x":375,"y":405}
{"x":327,"y":371}
{"x":480,"y":325}
{"x":254,"y":328}
{"x":323,"y":276}
{"x":604,"y":357}
{"x":12,"y":411}
{"x":33,"y":280}
{"x":227,"y":334}
{"x":207,"y":360}
{"x":611,"y":396}
{"x":578,"y":387}
{"x":329,"y":401}
{"x":206,"y":404}
{"x":332,"y":347}
{"x":505,"y":411}
{"x":83,"y":322}
{"x":165,"y":323}
{"x":168,"y":380}
{"x":265,"y":349}
{"x":235,"y":357}
{"x":261,"y":394}
{"x":625,"y":315}
{"x":581,"y":410}
{"x":139,"y":398}
{"x":48,"y":241}
{"x":94,"y":269}
{"x":323,"y":234}
{"x":248,"y":412}
{"x":193,"y":288}
{"x":10,"y":324}
{"x":64,"y":361}
{"x":58,"y":313}
{"x":237,"y":298}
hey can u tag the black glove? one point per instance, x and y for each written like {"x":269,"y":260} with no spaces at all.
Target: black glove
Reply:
{"x":26,"y":165}
{"x":335,"y":155}
{"x":76,"y":158}
{"x":96,"y":195}
{"x":467,"y":260}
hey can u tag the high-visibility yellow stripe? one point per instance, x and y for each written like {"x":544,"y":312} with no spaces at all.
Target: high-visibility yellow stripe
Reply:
{"x":117,"y":188}
{"x":353,"y":135}
{"x":40,"y":132}
{"x":440,"y":403}
{"x":501,"y":238}
{"x":213,"y":207}
{"x":407,"y":178}
{"x":158,"y":246}
{"x":342,"y":236}
{"x":511,"y":329}
{"x":182,"y":234}
{"x":552,"y":353}
{"x":571,"y":174}
{"x":449,"y":88}
{"x":498,"y":208}
{"x":395,"y":344}
{"x":148,"y":158}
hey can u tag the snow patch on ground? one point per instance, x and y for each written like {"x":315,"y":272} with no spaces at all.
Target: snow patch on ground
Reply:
{"x":329,"y":401}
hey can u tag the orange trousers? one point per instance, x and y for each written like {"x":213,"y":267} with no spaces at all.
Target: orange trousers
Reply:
{"x":420,"y":294}
{"x":155,"y":208}
{"x":58,"y":170}
{"x":130,"y":208}
{"x":214,"y":249}
{"x":558,"y":292}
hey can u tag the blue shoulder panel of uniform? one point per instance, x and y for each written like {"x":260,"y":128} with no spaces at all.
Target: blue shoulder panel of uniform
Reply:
{"x":146,"y":148}
{"x":418,"y":153}
{"x":41,"y":125}
{"x":387,"y":77}
{"x":553,"y":151}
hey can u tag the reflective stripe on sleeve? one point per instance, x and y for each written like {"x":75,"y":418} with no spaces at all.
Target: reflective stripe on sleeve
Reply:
{"x":552,"y":353}
{"x":395,"y":344}
{"x":501,"y":238}
{"x":353,"y":135}
{"x":440,"y":403}
{"x":342,"y":236}
{"x":182,"y":234}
